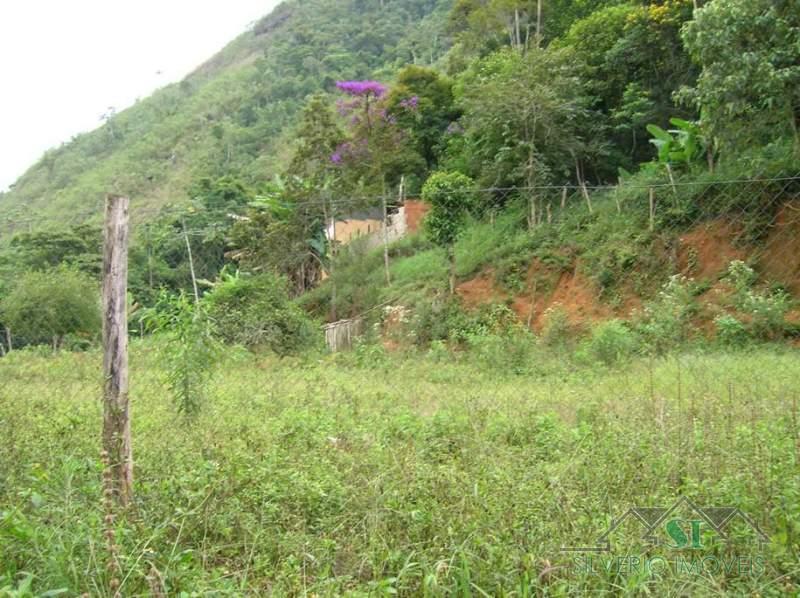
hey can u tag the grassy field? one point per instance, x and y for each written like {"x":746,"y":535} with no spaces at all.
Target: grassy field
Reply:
{"x":424,"y":474}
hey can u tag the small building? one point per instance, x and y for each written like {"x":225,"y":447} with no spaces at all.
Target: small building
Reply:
{"x":355,"y":225}
{"x":415,"y":210}
{"x":366,"y":224}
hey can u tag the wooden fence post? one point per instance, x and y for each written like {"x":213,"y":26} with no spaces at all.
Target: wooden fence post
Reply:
{"x":532,"y":212}
{"x":116,"y":415}
{"x":652,"y":209}
{"x":586,"y":197}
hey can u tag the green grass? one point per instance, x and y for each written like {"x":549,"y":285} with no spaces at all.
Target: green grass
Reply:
{"x":369,"y":474}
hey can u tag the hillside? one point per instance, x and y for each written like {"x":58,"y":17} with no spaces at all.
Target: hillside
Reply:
{"x":232,"y":115}
{"x":599,"y":315}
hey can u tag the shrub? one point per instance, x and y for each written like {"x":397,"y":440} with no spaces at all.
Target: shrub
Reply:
{"x":434,"y":321}
{"x":256,"y":311}
{"x":190,"y":350}
{"x":511,"y":351}
{"x":45,"y":307}
{"x":766,"y":310}
{"x":448,"y":321}
{"x":557,"y":329}
{"x":667,"y":318}
{"x":730,"y":331}
{"x":741,"y":276}
{"x":611,"y":341}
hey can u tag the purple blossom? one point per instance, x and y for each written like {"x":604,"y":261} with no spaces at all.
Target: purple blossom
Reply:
{"x":345,"y":107}
{"x":454,"y":129}
{"x":336,"y":157}
{"x":410,"y":103}
{"x":362,"y":88}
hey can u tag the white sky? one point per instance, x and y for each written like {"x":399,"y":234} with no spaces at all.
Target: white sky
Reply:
{"x":64,"y":62}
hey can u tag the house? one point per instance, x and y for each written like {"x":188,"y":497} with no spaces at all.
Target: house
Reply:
{"x":415,"y":210}
{"x":366,"y":224}
{"x":354,"y":226}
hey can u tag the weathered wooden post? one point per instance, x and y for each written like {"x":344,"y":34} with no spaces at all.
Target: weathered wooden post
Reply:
{"x":652,"y":209}
{"x":116,"y":415}
{"x":586,"y":197}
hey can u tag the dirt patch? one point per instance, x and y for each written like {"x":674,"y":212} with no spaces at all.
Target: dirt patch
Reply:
{"x":415,"y":212}
{"x":480,"y":290}
{"x":779,"y":258}
{"x":572,"y":291}
{"x":703,"y":253}
{"x":706,"y":250}
{"x":579,"y":297}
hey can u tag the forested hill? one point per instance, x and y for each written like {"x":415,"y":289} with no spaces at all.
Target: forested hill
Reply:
{"x":233,"y":115}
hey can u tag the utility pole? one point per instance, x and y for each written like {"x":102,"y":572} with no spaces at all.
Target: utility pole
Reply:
{"x":385,"y":228}
{"x":117,"y":449}
{"x":191,"y":262}
{"x":539,"y":23}
{"x":332,"y":214}
{"x":149,"y":257}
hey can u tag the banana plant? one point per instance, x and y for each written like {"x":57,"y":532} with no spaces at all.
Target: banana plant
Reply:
{"x":682,"y":145}
{"x":273,"y":200}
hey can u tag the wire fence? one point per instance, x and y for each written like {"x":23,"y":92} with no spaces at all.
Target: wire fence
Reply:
{"x":749,"y":218}
{"x":548,"y":203}
{"x":547,"y":452}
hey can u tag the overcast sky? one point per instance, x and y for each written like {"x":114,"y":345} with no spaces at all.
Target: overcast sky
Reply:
{"x":64,"y":62}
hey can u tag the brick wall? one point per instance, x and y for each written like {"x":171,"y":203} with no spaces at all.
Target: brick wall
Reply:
{"x":415,"y":211}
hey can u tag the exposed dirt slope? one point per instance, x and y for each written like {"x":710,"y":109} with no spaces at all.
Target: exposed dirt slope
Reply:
{"x":703,"y":253}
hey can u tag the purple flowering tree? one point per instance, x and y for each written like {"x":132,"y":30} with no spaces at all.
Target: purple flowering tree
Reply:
{"x":377,"y":152}
{"x":377,"y":149}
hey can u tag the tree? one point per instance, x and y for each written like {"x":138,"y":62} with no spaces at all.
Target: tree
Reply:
{"x":632,"y":60}
{"x":451,"y":196}
{"x":317,"y":137}
{"x":283,"y":232}
{"x":483,"y":26}
{"x":749,"y":51}
{"x":284,"y":229}
{"x":78,"y":247}
{"x":526,"y":118}
{"x":161,"y":258}
{"x":44,"y":307}
{"x":431,"y":96}
{"x":377,"y":152}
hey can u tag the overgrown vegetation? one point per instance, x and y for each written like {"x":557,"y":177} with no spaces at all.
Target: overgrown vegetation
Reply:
{"x":367,"y":473}
{"x":474,"y":429}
